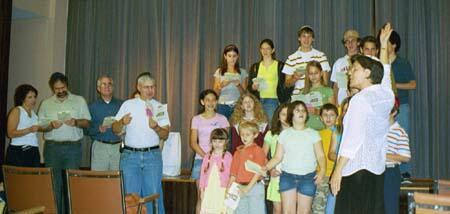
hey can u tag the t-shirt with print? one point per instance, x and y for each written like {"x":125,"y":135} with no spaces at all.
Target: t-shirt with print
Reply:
{"x":299,"y":157}
{"x":403,"y":74}
{"x":324,"y":92}
{"x":230,"y":92}
{"x":298,"y":61}
{"x":204,"y":128}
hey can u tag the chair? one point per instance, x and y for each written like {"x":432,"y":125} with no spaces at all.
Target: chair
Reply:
{"x":444,"y":187}
{"x":426,"y":203}
{"x":29,"y":190}
{"x":100,"y":192}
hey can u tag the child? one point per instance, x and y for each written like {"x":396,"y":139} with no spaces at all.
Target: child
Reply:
{"x":215,"y":173}
{"x":230,"y":80}
{"x":397,"y":152}
{"x":279,"y":124}
{"x":252,"y":188}
{"x":201,"y":127}
{"x":248,"y":108}
{"x":315,"y":87}
{"x":296,"y":63}
{"x":328,"y":115}
{"x":334,"y":149}
{"x":300,"y":150}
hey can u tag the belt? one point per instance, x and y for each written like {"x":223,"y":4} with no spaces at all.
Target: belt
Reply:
{"x":63,"y":142}
{"x":391,"y":165}
{"x":109,"y":142}
{"x":146,"y":149}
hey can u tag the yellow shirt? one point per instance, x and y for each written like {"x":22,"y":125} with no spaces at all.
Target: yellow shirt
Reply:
{"x":270,"y":76}
{"x":326,"y":134}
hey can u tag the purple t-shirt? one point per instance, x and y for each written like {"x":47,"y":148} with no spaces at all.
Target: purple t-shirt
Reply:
{"x":204,"y":128}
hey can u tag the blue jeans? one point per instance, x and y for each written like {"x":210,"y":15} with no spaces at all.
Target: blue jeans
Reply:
{"x":392,"y":180}
{"x":404,"y":121}
{"x":269,"y":106}
{"x":304,"y":184}
{"x":225,"y":110}
{"x":60,"y":156}
{"x":142,"y":174}
{"x":331,"y":203}
{"x":253,"y":201}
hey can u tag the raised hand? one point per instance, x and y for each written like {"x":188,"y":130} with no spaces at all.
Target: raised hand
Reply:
{"x":385,"y":33}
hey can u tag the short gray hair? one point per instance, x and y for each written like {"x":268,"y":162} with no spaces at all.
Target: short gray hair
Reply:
{"x":99,"y":79}
{"x":145,"y":77}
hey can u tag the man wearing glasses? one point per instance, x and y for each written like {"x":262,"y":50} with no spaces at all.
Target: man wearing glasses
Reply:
{"x":105,"y":154}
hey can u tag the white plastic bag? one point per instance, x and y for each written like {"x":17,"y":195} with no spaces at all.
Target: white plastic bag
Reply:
{"x":171,"y":155}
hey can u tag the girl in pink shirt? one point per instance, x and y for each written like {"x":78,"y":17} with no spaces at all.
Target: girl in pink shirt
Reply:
{"x":215,"y":173}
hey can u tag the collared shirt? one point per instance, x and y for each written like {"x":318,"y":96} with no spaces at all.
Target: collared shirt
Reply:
{"x":300,"y":59}
{"x":75,"y":105}
{"x":398,"y":142}
{"x":341,"y":65}
{"x":99,"y":110}
{"x":138,"y":133}
{"x":366,"y":125}
{"x":252,"y":152}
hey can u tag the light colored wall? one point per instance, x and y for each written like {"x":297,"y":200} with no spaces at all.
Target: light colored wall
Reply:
{"x":38,"y":45}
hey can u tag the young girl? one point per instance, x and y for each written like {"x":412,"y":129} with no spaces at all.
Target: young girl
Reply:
{"x":314,"y":87}
{"x":328,"y":115}
{"x":300,"y":149}
{"x":248,"y":108}
{"x":251,"y":187}
{"x":215,"y":173}
{"x":201,"y":128}
{"x":279,"y":124}
{"x":271,"y":90}
{"x":333,"y":151}
{"x":229,"y":80}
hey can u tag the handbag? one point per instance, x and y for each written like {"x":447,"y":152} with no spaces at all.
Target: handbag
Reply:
{"x":171,"y":155}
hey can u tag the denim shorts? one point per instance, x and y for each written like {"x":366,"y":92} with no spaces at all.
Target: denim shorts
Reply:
{"x":303,"y":183}
{"x":195,"y":173}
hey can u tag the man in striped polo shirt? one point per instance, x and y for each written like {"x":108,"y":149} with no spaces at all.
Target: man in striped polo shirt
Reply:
{"x":295,"y":67}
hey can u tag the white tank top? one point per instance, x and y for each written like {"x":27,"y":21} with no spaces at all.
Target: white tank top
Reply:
{"x":24,"y":122}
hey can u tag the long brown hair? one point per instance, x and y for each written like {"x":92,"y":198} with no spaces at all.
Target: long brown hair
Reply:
{"x":276,"y":126}
{"x":238,"y":113}
{"x":340,"y":125}
{"x":218,"y":134}
{"x":223,"y":64}
{"x":308,"y":83}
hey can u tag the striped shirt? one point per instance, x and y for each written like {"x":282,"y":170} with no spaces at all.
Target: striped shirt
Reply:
{"x":299,"y":60}
{"x":397,"y":142}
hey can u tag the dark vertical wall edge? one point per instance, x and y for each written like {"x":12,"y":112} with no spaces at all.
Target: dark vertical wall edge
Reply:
{"x":5,"y":34}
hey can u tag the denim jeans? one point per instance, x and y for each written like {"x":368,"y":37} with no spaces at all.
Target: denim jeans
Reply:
{"x":253,"y":201}
{"x":142,"y":174}
{"x":225,"y":110}
{"x":392,"y":182}
{"x":60,"y":156}
{"x":269,"y":106}
{"x":404,"y":121}
{"x":331,"y":203}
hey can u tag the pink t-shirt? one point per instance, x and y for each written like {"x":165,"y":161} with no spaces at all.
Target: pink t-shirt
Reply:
{"x":218,"y":160}
{"x":204,"y":128}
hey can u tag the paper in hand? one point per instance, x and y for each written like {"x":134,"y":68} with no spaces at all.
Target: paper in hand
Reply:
{"x":254,"y":167}
{"x":108,"y":121}
{"x":161,"y":116}
{"x":262,"y":85}
{"x":342,"y":80}
{"x":64,"y":115}
{"x":44,"y":122}
{"x":232,"y":198}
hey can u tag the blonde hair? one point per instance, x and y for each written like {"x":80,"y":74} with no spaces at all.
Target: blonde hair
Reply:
{"x":308,"y":83}
{"x":239,"y":113}
{"x":248,"y":125}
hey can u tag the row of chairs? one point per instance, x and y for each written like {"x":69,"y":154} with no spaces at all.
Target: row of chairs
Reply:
{"x":30,"y":190}
{"x":437,"y":202}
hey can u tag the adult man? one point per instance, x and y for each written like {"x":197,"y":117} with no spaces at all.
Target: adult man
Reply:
{"x":362,"y":153}
{"x":405,"y":82}
{"x":295,"y":66}
{"x":105,"y":153}
{"x":141,"y":161}
{"x":68,"y":114}
{"x":342,"y":65}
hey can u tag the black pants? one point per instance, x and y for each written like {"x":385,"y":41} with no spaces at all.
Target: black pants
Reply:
{"x":361,"y":192}
{"x":23,"y":156}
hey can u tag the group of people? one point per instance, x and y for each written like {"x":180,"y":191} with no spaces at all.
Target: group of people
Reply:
{"x":325,"y":149}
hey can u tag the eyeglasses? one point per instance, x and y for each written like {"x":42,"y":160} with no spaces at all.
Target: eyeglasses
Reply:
{"x":106,"y":85}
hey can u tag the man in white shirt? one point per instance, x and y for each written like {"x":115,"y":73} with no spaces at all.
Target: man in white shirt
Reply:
{"x":358,"y":176}
{"x":141,"y":161}
{"x":295,"y":66}
{"x":342,"y":65}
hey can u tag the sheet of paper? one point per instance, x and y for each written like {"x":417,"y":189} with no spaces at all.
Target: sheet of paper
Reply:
{"x":161,"y":115}
{"x":253,"y":167}
{"x":232,"y":198}
{"x":64,"y":115}
{"x":262,"y":84}
{"x":108,"y":121}
{"x":231,"y":76}
{"x":44,"y":122}
{"x":342,"y":80}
